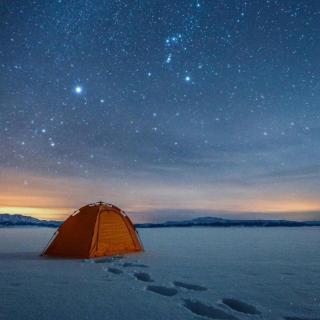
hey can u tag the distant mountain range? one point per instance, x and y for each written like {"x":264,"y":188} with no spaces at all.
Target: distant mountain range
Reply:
{"x":7,"y":220}
{"x":220,"y":222}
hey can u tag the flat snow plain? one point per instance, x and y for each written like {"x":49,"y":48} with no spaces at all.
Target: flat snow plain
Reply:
{"x":185,"y":273}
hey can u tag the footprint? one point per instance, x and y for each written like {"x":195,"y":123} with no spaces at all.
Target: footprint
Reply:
{"x":137,"y":265}
{"x":143,"y":276}
{"x":164,"y":291}
{"x":115,"y":270}
{"x":189,"y":286}
{"x":240,"y":306}
{"x":204,"y":310}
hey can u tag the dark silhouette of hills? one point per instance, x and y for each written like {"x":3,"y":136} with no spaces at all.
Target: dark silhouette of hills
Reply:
{"x":7,"y":220}
{"x":220,"y":222}
{"x":20,"y":220}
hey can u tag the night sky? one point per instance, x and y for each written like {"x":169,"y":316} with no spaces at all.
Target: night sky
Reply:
{"x":168,"y":109}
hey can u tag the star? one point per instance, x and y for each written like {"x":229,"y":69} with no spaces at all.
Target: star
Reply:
{"x":188,"y":87}
{"x":78,"y":89}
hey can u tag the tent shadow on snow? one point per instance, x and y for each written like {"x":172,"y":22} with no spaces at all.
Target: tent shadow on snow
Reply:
{"x":95,"y":230}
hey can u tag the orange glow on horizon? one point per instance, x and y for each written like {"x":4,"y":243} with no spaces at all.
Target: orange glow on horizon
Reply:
{"x":39,"y":213}
{"x":56,"y":198}
{"x":62,"y":213}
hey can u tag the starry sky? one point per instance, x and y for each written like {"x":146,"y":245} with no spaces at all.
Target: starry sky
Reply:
{"x":168,"y":109}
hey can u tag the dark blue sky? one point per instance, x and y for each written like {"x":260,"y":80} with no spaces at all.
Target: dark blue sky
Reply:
{"x":165,"y":108}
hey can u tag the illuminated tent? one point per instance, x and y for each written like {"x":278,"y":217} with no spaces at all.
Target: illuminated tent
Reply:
{"x":96,"y":230}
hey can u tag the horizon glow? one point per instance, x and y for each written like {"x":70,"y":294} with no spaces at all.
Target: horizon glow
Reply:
{"x":178,"y":117}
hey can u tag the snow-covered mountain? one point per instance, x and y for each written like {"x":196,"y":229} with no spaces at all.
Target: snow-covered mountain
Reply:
{"x":20,"y":220}
{"x":220,"y":222}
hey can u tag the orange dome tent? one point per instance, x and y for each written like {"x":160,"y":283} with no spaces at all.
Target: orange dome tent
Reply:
{"x":96,"y":230}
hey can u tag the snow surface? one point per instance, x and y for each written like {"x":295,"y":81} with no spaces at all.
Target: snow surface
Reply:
{"x":193,"y":273}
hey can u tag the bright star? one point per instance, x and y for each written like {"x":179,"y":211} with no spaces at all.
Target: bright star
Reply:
{"x":187,"y":78}
{"x":78,"y":89}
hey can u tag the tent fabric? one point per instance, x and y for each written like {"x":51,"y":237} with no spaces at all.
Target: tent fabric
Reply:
{"x":96,"y":230}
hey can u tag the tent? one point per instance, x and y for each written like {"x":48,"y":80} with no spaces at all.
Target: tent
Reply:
{"x":95,"y":230}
